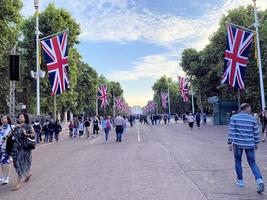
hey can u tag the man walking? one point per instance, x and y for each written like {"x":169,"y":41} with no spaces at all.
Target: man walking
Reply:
{"x":119,"y":122}
{"x":244,"y":135}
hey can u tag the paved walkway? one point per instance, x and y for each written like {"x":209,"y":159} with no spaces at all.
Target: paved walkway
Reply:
{"x":152,"y":163}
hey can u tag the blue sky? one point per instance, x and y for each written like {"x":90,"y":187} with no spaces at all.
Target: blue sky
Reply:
{"x":137,"y":41}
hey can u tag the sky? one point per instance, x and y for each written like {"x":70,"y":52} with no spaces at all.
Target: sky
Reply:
{"x":136,"y":42}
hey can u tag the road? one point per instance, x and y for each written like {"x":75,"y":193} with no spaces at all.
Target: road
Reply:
{"x":152,"y":163}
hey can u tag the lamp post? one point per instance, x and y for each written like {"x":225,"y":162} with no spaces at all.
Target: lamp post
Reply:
{"x":36,"y":6}
{"x":256,"y":25}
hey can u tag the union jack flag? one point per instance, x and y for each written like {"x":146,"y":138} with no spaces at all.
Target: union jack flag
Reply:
{"x":236,"y":56}
{"x":164,"y":99}
{"x":103,"y":95}
{"x":119,"y":103}
{"x":55,"y":50}
{"x":183,"y":88}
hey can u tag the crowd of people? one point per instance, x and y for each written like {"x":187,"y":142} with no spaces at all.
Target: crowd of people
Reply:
{"x":80,"y":126}
{"x":17,"y":140}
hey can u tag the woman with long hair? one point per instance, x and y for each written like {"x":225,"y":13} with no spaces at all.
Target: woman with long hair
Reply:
{"x":22,"y":158}
{"x":5,"y":160}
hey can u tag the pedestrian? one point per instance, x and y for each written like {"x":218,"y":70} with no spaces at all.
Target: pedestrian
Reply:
{"x":46,"y":130}
{"x":87,"y":127}
{"x":191,"y":120}
{"x":204,"y":118}
{"x":106,"y":126}
{"x":57,"y":129}
{"x":71,"y":128}
{"x":165,"y":119}
{"x":119,"y":122}
{"x":264,"y":124}
{"x":81,"y":127}
{"x":51,"y":129}
{"x":96,"y":126}
{"x":5,"y":159}
{"x":244,"y":135}
{"x":131,"y":120}
{"x":198,"y":119}
{"x":176,"y":118}
{"x":37,"y":128}
{"x":22,"y":156}
{"x":75,"y":127}
{"x":125,"y":124}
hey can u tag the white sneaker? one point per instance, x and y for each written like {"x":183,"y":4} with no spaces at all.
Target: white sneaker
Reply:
{"x":106,"y":142}
{"x":5,"y":181}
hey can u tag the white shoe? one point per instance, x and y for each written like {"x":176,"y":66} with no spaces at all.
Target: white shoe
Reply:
{"x":5,"y":181}
{"x":2,"y":179}
{"x":106,"y":142}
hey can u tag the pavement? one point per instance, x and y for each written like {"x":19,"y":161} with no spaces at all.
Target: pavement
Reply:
{"x":160,"y":162}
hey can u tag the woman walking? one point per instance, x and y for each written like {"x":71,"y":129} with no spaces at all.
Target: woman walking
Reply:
{"x":5,"y":129}
{"x":106,"y":126}
{"x":22,"y":156}
{"x":96,"y":126}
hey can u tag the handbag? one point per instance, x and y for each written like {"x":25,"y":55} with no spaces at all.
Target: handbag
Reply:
{"x":28,"y":143}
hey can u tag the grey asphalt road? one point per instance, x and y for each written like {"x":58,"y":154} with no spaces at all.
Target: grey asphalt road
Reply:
{"x":152,"y":163}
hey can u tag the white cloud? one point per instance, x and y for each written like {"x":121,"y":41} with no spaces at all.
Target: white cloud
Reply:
{"x":121,"y":21}
{"x":152,"y":66}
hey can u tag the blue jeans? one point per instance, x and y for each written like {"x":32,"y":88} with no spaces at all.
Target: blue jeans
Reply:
{"x":46,"y":136}
{"x":251,"y":161}
{"x":106,"y":133}
{"x":119,"y":137}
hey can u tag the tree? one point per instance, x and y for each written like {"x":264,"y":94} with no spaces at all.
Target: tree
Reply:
{"x":10,"y":20}
{"x":205,"y":68}
{"x":52,"y":20}
{"x":161,"y":85}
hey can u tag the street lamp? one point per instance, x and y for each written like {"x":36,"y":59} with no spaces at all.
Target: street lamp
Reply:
{"x":36,"y":6}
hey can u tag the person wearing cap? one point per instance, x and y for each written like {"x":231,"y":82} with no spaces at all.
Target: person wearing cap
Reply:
{"x":244,"y":135}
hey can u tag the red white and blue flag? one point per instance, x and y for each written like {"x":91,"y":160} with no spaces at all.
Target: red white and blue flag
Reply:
{"x":55,"y":50}
{"x":119,"y":103}
{"x":164,"y":99}
{"x":236,"y":56}
{"x":183,"y":84}
{"x":103,"y":95}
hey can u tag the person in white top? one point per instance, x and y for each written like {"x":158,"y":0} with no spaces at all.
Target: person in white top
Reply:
{"x":119,"y":123}
{"x":191,"y":120}
{"x":5,"y":159}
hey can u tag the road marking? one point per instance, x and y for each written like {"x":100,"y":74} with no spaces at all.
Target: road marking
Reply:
{"x":138,"y":134}
{"x":95,"y":140}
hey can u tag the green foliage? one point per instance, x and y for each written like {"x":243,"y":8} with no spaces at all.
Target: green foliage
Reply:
{"x":205,"y":68}
{"x":10,"y":20}
{"x":161,"y":85}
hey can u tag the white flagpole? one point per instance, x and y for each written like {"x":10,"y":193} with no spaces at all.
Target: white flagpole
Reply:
{"x":36,"y":5}
{"x":256,"y":24}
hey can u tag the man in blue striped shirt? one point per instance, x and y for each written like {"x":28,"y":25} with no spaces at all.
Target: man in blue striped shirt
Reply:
{"x":244,"y":135}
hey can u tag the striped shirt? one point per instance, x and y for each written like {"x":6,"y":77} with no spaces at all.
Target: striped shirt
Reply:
{"x":243,"y":131}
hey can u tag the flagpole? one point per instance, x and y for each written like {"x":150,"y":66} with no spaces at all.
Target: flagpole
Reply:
{"x":55,"y":107}
{"x":192,"y":100}
{"x":114,"y":110}
{"x":96,"y":105}
{"x":169,"y":101}
{"x":36,"y":6}
{"x":256,"y":24}
{"x":239,"y":99}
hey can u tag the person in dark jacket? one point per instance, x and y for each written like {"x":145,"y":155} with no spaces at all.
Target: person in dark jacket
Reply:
{"x":46,"y":130}
{"x":57,"y":129}
{"x":198,"y":120}
{"x":37,"y":128}
{"x":96,"y":126}
{"x":51,"y":130}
